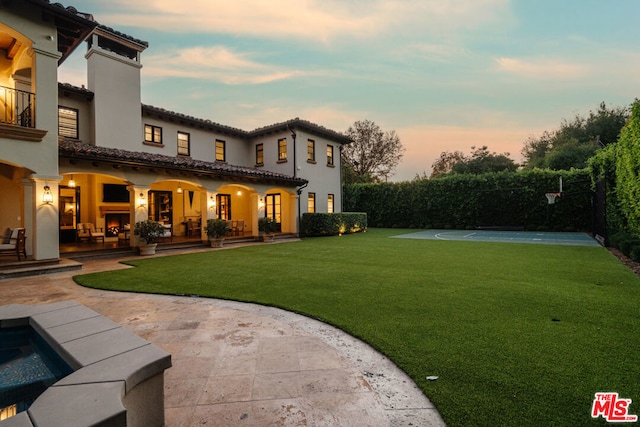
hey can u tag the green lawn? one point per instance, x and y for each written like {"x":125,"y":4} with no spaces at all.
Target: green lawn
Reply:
{"x":518,"y":334}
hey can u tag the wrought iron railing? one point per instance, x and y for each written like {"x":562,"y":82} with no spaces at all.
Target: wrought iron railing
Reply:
{"x":17,"y":107}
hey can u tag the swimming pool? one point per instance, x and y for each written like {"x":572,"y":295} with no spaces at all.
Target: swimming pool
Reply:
{"x":28,"y":365}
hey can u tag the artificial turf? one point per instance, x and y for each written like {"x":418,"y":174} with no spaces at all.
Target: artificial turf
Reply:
{"x":518,"y":334}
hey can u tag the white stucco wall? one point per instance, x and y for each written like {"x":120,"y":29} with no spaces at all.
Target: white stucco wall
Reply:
{"x":115,"y":82}
{"x":202,"y":142}
{"x":42,"y":56}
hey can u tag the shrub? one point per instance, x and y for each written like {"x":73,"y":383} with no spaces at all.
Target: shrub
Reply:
{"x":626,"y":245}
{"x":332,"y":224}
{"x":266,"y":225}
{"x":148,"y":230}
{"x":217,"y":228}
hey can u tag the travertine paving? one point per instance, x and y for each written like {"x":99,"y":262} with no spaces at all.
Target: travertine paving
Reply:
{"x":238,"y":364}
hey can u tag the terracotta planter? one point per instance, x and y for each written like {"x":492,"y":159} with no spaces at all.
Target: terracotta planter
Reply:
{"x":267,"y":238}
{"x":216,"y":243}
{"x":149,"y":249}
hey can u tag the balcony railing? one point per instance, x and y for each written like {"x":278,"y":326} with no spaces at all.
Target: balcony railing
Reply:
{"x":17,"y":107}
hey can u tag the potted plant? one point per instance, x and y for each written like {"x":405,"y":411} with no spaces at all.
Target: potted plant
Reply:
{"x":267,"y":226}
{"x":216,"y":228}
{"x":149,"y":231}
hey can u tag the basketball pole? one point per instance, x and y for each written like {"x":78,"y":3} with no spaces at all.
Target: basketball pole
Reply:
{"x":560,"y":185}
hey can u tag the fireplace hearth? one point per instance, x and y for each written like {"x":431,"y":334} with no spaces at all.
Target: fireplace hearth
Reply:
{"x":114,"y":223}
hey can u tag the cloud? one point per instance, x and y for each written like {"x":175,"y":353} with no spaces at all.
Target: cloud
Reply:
{"x":214,"y":63}
{"x":321,"y":21}
{"x":541,"y":68}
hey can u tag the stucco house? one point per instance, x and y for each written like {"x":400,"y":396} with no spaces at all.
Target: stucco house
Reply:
{"x":72,"y":156}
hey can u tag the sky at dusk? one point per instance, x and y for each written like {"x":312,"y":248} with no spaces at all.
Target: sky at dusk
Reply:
{"x":446,"y":75}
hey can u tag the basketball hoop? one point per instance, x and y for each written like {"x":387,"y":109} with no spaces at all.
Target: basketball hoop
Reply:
{"x":551,"y":197}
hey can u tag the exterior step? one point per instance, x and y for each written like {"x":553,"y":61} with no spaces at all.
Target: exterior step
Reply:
{"x":36,"y":268}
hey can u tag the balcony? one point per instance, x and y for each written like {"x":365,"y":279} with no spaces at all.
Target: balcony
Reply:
{"x":18,"y":115}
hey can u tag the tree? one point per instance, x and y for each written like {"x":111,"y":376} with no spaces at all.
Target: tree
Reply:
{"x":373,"y":155}
{"x":445,"y":163}
{"x":570,"y":145}
{"x":571,"y":154}
{"x":480,"y":161}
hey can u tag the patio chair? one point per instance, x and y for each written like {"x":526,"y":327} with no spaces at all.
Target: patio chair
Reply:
{"x":96,"y":233}
{"x":192,"y":228}
{"x":82,"y":232}
{"x":124,"y":234}
{"x":239,"y":227}
{"x":15,"y":244}
{"x":168,"y":232}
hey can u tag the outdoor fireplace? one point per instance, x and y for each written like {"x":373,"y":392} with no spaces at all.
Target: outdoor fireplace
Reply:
{"x":115,"y":222}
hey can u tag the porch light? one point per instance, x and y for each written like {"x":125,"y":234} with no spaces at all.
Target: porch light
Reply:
{"x":212,"y":202}
{"x":141,"y":200}
{"x":239,"y":193}
{"x":179,"y":189}
{"x":71,"y":183}
{"x":47,"y":197}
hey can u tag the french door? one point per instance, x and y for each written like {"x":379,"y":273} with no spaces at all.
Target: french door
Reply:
{"x":273,"y":209}
{"x":223,"y":206}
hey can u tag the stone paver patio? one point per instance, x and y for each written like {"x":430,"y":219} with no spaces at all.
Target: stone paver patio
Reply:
{"x":238,"y":364}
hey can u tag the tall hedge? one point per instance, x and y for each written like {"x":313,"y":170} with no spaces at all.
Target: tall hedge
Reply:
{"x":603,"y":167}
{"x":627,"y":161}
{"x":514,"y":199}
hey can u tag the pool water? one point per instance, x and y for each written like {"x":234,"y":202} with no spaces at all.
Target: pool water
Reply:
{"x":28,"y":365}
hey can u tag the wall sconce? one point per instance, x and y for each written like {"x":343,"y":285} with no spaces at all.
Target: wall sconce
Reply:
{"x":142,"y":202}
{"x":71,"y":183}
{"x":212,"y":202}
{"x":239,"y":193}
{"x":47,"y":197}
{"x":260,"y":203}
{"x":179,"y":189}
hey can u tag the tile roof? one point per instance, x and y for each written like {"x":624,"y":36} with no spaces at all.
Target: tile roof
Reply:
{"x":208,"y":124}
{"x":68,"y":88}
{"x":123,"y":35}
{"x":84,"y":151}
{"x":292,"y":124}
{"x":305,"y":125}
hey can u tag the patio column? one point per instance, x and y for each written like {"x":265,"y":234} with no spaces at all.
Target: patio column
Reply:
{"x":254,"y":203}
{"x":41,"y":216}
{"x":261,"y":205}
{"x":139,"y":208}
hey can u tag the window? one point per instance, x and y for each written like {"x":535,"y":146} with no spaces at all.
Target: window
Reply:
{"x":329,"y":155}
{"x":153,"y":134}
{"x":220,"y":151}
{"x":259,"y":154}
{"x":68,"y":122}
{"x":311,"y":203}
{"x":330,"y":203}
{"x":282,"y":149}
{"x":183,"y":144}
{"x":311,"y":151}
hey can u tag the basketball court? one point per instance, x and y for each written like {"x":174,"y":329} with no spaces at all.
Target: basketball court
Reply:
{"x":535,"y":237}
